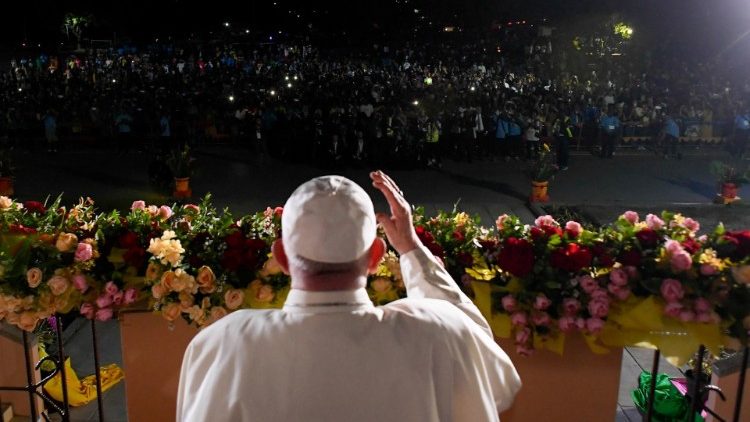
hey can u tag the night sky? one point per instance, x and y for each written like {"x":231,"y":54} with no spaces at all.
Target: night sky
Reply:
{"x":715,"y":23}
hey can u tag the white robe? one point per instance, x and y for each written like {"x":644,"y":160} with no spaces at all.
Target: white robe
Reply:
{"x":333,"y":356}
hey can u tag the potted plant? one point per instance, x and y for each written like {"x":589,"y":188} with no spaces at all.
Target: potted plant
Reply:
{"x":7,"y":171}
{"x":541,"y":171}
{"x":729,"y":179}
{"x":180,"y":162}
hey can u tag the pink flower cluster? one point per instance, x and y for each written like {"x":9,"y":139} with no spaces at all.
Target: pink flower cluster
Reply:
{"x":679,"y":259}
{"x":163,"y":212}
{"x":678,"y":307}
{"x":103,"y":307}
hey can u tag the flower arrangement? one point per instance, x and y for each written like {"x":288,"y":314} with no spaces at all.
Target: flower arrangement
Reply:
{"x":543,"y":168}
{"x":180,"y":162}
{"x":728,"y":173}
{"x":616,"y":285}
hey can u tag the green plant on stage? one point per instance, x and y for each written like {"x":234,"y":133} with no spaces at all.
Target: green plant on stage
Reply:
{"x":543,"y":168}
{"x":729,"y":173}
{"x":180,"y":162}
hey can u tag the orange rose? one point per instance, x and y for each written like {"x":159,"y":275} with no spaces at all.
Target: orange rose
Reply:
{"x":206,"y":280}
{"x":58,"y":285}
{"x":167,"y":279}
{"x":186,"y":300}
{"x":27,"y":321}
{"x":34,"y":277}
{"x":171,"y":311}
{"x":66,"y":242}
{"x":158,"y":291}
{"x":234,"y":298}
{"x":265,"y":294}
{"x":5,"y":202}
{"x":217,"y":313}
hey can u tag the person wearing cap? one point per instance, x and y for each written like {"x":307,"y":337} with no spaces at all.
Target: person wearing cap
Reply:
{"x":330,"y":354}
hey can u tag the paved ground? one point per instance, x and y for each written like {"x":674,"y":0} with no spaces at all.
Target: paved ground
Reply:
{"x":244,"y":183}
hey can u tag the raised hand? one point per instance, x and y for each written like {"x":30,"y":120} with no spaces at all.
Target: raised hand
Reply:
{"x":398,"y":226}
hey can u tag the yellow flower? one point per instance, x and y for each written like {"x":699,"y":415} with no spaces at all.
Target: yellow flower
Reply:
{"x":461,"y":219}
{"x":167,"y":249}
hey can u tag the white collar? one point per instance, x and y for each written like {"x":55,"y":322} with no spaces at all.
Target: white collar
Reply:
{"x":306,"y":301}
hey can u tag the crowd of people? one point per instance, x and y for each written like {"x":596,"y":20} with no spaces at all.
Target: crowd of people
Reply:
{"x":410,"y":105}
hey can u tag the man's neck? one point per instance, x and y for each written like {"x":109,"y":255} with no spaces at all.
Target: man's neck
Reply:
{"x":324,"y":283}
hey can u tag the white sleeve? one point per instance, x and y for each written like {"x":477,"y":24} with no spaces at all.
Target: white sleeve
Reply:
{"x":424,"y":277}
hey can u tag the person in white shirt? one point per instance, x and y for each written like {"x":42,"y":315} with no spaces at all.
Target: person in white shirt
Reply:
{"x":330,"y":354}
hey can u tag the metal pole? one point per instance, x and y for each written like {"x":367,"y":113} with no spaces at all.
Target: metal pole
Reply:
{"x":29,"y":375}
{"x":696,"y":395}
{"x":652,"y":387}
{"x":741,"y":386}
{"x":61,"y":359}
{"x":97,"y":372}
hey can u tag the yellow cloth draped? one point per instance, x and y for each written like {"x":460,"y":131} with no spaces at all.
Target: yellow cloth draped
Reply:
{"x":81,"y":391}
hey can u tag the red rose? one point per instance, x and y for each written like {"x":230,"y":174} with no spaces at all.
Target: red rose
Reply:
{"x":34,"y":207}
{"x":741,"y":243}
{"x":552,"y":230}
{"x":235,"y":240}
{"x":630,"y":257}
{"x":572,"y":258}
{"x":648,"y":238}
{"x":457,"y":235}
{"x":537,"y":233}
{"x":255,"y":244}
{"x":231,"y":259}
{"x":128,"y":240}
{"x":465,"y":259}
{"x":691,"y":245}
{"x":21,"y":229}
{"x":135,"y":257}
{"x":250,"y":259}
{"x":606,"y":260}
{"x":516,"y":256}
{"x":436,"y":249}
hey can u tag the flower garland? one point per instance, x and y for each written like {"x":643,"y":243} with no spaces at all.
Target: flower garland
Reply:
{"x":621,"y":284}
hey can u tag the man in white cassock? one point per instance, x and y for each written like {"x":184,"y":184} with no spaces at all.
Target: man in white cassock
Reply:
{"x":330,"y":354}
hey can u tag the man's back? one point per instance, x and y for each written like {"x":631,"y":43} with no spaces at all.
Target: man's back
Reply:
{"x":414,"y":359}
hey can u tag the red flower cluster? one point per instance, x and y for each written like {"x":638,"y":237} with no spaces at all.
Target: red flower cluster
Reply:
{"x":648,"y":238}
{"x":242,"y":253}
{"x":572,"y":257}
{"x":135,"y":253}
{"x":429,"y":241}
{"x":516,"y":256}
{"x":740,"y":242}
{"x":35,"y":207}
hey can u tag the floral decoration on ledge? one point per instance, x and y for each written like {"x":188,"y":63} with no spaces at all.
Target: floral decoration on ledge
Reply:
{"x":653,"y":282}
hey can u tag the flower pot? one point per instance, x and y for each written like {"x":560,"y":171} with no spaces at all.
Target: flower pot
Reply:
{"x":539,"y":191}
{"x":6,"y":186}
{"x":728,"y":193}
{"x":182,"y":187}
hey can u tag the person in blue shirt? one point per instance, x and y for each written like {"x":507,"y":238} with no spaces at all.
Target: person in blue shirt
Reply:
{"x":670,"y":136}
{"x":609,"y":132}
{"x":514,"y":135}
{"x":741,"y":132}
{"x":500,"y":146}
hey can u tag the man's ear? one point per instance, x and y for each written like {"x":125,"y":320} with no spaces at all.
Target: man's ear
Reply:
{"x":277,"y":248}
{"x":376,"y":253}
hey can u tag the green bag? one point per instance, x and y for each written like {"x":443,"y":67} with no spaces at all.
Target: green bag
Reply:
{"x":669,"y":404}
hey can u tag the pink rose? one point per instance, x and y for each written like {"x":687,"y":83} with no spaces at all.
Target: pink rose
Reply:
{"x":573,"y":228}
{"x":631,"y":216}
{"x":130,"y":296}
{"x":84,"y":252}
{"x":234,"y":298}
{"x":540,"y":318}
{"x":620,"y":292}
{"x":703,"y":238}
{"x":708,"y":269}
{"x":673,"y":309}
{"x":567,"y":324}
{"x":87,"y":310}
{"x":523,"y":336}
{"x":681,"y":261}
{"x":191,"y":207}
{"x":164,"y":212}
{"x":671,"y":290}
{"x":546,"y":220}
{"x":501,"y":221}
{"x":672,"y":246}
{"x":653,"y":222}
{"x":571,"y":306}
{"x":686,"y":315}
{"x":618,"y":277}
{"x":703,"y":317}
{"x":111,"y":288}
{"x":702,"y":305}
{"x":691,"y":225}
{"x":594,"y":325}
{"x":104,"y":314}
{"x":138,"y":205}
{"x":631,"y":271}
{"x":509,"y":303}
{"x":518,"y":318}
{"x":598,"y":308}
{"x":117,"y":298}
{"x":600,"y":294}
{"x":58,"y":285}
{"x":542,"y":302}
{"x":588,"y":284}
{"x":103,"y":301}
{"x":80,"y":283}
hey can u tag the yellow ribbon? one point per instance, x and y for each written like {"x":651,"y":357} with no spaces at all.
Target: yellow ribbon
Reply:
{"x":81,"y":391}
